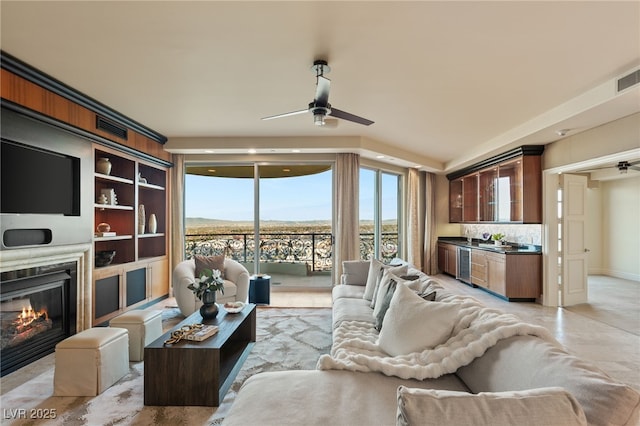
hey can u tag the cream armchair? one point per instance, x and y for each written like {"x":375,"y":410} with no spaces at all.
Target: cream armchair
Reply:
{"x":236,"y":285}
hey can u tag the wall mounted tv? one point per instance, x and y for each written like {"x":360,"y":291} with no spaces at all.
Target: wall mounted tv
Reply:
{"x":37,"y":181}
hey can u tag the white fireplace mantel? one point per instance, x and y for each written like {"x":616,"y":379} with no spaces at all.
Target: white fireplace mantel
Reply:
{"x":11,"y":260}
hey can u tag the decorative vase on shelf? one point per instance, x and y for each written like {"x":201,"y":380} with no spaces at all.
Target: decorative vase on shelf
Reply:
{"x":141,"y":219}
{"x":153,"y":223}
{"x":103,"y":165}
{"x":209,"y":308}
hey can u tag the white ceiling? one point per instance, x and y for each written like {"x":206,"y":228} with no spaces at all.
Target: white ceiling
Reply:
{"x":445,"y":82}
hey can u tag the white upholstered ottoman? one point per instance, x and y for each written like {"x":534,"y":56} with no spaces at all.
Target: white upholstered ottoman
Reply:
{"x":91,"y":361}
{"x":144,"y":327}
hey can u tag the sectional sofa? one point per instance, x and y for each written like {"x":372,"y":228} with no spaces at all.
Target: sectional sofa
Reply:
{"x":432,"y":358}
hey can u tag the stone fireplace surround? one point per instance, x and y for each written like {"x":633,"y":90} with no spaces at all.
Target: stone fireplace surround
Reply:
{"x":11,"y":260}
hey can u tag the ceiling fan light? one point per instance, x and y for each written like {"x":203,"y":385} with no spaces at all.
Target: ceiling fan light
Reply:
{"x":318,"y":119}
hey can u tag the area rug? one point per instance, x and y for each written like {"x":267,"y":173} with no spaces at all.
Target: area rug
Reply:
{"x":287,"y":339}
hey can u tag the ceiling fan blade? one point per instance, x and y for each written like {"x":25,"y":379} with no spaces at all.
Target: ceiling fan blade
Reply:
{"x":635,"y":168}
{"x":348,"y":116}
{"x":287,"y":114}
{"x":633,"y":163}
{"x":322,"y":91}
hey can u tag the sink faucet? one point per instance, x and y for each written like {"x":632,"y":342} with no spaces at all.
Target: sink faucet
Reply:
{"x":467,"y":233}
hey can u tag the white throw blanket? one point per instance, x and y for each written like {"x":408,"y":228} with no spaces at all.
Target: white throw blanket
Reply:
{"x":477,"y":329}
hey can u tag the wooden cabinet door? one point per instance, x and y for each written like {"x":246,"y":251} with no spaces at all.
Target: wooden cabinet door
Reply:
{"x":452,"y":259}
{"x":496,"y":273}
{"x":442,"y":257}
{"x":479,"y":267}
{"x":159,"y":278}
{"x":470,"y":198}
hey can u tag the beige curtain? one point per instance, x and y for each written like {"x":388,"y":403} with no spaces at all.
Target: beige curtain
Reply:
{"x":176,"y":241}
{"x":347,"y":242}
{"x":430,"y":236}
{"x":416,"y":218}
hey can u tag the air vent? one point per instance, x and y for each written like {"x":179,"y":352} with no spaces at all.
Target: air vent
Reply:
{"x":111,"y":127}
{"x":629,"y":80}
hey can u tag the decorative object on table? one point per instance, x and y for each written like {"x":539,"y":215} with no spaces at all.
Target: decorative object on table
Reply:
{"x":497,"y":239}
{"x":486,"y":236}
{"x":153,"y":223}
{"x":193,"y":332}
{"x":234,"y":307}
{"x":104,"y":257}
{"x":103,"y":165}
{"x":110,"y":194}
{"x":205,"y":287}
{"x":141,"y":219}
{"x":141,"y":179}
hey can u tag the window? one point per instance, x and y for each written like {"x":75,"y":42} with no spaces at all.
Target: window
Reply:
{"x":380,"y":207}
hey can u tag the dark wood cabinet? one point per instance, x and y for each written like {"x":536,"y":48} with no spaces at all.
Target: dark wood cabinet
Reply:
{"x":447,"y":258}
{"x":507,"y":189}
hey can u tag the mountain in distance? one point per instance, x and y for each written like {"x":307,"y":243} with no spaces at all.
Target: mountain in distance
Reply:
{"x":200,"y":222}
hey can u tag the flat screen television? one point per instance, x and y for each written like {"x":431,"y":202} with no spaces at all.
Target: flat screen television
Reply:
{"x":38,"y":181}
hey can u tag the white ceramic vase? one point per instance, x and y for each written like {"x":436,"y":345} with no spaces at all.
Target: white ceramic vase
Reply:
{"x":103,"y":165}
{"x":153,"y":223}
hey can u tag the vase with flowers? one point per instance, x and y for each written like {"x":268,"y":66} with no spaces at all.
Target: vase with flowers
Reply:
{"x":205,"y":288}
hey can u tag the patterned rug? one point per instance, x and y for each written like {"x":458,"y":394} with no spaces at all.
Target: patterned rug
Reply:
{"x":287,"y":339}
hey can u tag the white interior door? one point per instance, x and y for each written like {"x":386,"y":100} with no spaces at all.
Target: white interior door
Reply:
{"x":574,"y":251}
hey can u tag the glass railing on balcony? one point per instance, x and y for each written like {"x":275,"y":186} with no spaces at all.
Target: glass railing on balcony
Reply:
{"x":313,"y":249}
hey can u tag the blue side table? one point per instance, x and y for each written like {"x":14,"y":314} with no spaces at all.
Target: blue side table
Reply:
{"x":260,"y":289}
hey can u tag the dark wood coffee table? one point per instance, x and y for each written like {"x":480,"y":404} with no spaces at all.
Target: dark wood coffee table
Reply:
{"x":199,"y":373}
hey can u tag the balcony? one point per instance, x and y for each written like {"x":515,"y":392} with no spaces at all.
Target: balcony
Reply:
{"x":294,"y":260}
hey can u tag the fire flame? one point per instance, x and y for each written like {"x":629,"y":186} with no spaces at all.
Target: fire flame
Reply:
{"x":27,"y":316}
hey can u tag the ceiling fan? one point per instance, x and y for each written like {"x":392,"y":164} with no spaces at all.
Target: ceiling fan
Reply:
{"x":320,"y":106}
{"x":622,"y":166}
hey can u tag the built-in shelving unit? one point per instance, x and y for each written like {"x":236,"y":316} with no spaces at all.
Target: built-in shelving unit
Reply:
{"x":139,"y":270}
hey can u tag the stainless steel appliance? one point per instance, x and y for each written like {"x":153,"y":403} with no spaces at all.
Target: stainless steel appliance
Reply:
{"x":463,"y":270}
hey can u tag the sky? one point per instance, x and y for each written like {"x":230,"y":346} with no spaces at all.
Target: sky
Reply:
{"x":300,"y":198}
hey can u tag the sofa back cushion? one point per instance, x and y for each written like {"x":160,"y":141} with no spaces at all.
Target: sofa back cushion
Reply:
{"x":527,"y":362}
{"x":355,"y":272}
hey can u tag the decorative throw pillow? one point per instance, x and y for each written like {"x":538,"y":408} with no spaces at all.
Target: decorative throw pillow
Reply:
{"x":542,"y":406}
{"x":396,"y":270}
{"x":209,"y":262}
{"x":386,"y":288}
{"x":374,"y":270}
{"x":411,"y":325}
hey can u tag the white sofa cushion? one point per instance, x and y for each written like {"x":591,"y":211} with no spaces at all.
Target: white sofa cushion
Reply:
{"x":413,"y":325}
{"x":376,"y":268}
{"x":355,"y":272}
{"x":542,"y":406}
{"x":386,"y":290}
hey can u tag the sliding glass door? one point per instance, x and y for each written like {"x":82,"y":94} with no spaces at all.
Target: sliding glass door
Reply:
{"x":278,"y":214}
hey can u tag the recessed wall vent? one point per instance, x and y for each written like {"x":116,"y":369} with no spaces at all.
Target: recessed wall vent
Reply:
{"x":629,"y":80}
{"x":110,"y":127}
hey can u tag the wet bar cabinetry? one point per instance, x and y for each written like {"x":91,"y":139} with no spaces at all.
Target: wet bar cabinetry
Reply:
{"x":514,"y":274}
{"x":504,"y":189}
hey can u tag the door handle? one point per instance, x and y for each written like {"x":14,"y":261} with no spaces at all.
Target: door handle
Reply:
{"x":587,"y":250}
